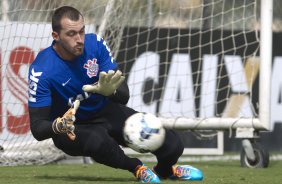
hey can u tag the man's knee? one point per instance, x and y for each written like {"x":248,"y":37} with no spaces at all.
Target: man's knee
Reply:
{"x":96,"y":145}
{"x":176,"y":143}
{"x":172,"y":146}
{"x":63,"y":143}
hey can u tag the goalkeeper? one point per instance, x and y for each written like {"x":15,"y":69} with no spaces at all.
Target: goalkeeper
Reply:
{"x":77,"y":97}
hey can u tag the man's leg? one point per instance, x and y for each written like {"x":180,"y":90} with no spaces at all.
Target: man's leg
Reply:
{"x":93,"y":140}
{"x":115,"y":115}
{"x":168,"y":154}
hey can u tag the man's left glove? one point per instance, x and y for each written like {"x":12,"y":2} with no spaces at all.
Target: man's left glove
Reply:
{"x":65,"y":124}
{"x":107,"y":83}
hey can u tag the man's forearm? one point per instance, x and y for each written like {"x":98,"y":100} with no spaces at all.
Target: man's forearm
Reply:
{"x":121,"y":95}
{"x":40,"y":126}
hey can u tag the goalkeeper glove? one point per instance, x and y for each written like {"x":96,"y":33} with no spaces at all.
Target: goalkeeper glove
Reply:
{"x":107,"y":83}
{"x":65,"y":124}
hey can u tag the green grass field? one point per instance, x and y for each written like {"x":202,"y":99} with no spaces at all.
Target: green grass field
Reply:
{"x":214,"y":172}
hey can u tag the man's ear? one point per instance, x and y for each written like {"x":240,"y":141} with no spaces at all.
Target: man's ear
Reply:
{"x":56,"y":36}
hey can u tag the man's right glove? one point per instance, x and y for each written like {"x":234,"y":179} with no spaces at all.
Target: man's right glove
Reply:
{"x":65,"y":124}
{"x":107,"y":84}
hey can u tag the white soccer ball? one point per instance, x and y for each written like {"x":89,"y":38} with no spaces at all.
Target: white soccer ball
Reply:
{"x":143,"y":132}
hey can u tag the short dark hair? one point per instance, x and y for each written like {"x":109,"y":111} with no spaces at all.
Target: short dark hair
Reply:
{"x":62,"y":12}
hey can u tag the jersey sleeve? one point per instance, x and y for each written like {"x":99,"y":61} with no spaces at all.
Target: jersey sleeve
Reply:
{"x":108,"y":62}
{"x":39,"y":92}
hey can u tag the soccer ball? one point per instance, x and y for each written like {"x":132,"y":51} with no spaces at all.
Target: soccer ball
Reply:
{"x":143,"y":132}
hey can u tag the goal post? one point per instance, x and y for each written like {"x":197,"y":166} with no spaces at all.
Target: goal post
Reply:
{"x":266,"y":62}
{"x":198,"y":65}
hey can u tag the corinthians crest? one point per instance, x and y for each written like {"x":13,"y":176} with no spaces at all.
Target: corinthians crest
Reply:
{"x":92,"y":67}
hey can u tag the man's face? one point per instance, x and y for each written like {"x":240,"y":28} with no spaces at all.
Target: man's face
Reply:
{"x":71,"y":37}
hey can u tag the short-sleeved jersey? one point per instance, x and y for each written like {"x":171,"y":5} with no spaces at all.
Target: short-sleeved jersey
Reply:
{"x":58,"y":83}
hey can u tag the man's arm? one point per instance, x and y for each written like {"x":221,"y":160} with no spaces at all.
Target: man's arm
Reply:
{"x":40,"y":125}
{"x":121,"y":95}
{"x":42,"y":128}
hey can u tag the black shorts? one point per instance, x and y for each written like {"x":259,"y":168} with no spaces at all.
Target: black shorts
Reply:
{"x":108,"y":123}
{"x":112,"y":117}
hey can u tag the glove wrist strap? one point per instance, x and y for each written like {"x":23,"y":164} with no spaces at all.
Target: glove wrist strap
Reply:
{"x":55,"y":126}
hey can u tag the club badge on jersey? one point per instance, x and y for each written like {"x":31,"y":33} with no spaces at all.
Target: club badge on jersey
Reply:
{"x":92,"y":67}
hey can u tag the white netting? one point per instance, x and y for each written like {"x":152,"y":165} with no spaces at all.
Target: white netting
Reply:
{"x":192,"y":58}
{"x":181,"y":59}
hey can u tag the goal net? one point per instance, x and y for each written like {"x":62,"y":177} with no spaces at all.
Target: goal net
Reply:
{"x":183,"y":60}
{"x":192,"y":59}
